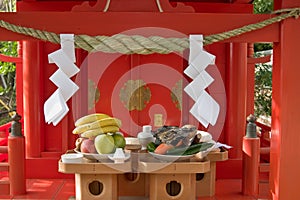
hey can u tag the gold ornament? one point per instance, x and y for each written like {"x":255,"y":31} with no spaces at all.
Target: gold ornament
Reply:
{"x":176,"y":94}
{"x":93,"y":94}
{"x":135,"y":95}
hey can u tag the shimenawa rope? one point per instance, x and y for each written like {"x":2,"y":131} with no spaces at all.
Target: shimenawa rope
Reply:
{"x":138,"y":44}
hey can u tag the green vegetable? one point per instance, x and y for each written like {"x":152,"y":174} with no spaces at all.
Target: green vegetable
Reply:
{"x":151,"y":147}
{"x":193,"y":149}
{"x":177,"y":151}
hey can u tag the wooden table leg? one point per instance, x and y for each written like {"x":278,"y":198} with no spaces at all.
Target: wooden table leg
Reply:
{"x":206,"y":186}
{"x":172,"y":186}
{"x":96,"y":186}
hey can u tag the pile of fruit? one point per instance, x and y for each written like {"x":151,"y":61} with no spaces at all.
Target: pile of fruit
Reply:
{"x":172,"y":140}
{"x":99,"y":133}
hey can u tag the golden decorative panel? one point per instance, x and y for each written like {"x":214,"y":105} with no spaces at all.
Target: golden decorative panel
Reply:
{"x":93,"y":94}
{"x":176,"y":94}
{"x":135,"y":95}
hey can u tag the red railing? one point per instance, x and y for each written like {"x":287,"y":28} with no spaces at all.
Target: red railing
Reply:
{"x":256,"y":158}
{"x":264,"y":134}
{"x":4,"y":165}
{"x":4,"y":132}
{"x":12,"y":170}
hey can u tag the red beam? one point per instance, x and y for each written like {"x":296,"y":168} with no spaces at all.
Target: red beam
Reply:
{"x":94,"y":23}
{"x":5,"y":58}
{"x":264,"y":59}
{"x":204,"y":7}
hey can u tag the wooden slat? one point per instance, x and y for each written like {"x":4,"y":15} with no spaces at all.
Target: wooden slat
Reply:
{"x":4,"y":182}
{"x":4,"y":166}
{"x":265,"y":150}
{"x":259,"y":59}
{"x":4,"y":187}
{"x":264,"y":167}
{"x":3,"y":149}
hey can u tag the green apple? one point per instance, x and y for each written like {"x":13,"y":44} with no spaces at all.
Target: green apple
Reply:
{"x":104,"y":144}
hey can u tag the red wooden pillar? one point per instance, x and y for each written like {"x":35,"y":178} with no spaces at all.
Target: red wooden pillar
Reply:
{"x":19,"y":80}
{"x":250,"y":179}
{"x":285,"y":154}
{"x":16,"y":153}
{"x":32,"y":98}
{"x":236,"y":91}
{"x":250,"y":80}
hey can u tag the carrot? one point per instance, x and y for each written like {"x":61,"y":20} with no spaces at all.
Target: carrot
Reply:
{"x":163,"y":148}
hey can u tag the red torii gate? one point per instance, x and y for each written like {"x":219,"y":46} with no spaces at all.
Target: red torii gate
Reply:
{"x":285,"y":137}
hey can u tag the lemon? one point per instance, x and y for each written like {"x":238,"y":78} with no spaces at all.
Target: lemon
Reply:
{"x":119,"y":140}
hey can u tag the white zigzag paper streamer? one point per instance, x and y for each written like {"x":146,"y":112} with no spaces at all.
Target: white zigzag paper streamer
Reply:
{"x":55,"y":107}
{"x":206,"y":109}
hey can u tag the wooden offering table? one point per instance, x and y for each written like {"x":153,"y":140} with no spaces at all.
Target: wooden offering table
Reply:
{"x":159,"y":179}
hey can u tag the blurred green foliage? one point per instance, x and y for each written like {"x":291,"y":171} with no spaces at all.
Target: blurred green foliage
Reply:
{"x":263,"y":90}
{"x":7,"y":70}
{"x":263,"y":6}
{"x":7,"y":81}
{"x":263,"y":72}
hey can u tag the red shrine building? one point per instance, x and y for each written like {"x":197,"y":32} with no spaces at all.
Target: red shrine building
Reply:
{"x":105,"y":79}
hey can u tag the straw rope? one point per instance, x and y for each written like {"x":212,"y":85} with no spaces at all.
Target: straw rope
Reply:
{"x":138,"y":44}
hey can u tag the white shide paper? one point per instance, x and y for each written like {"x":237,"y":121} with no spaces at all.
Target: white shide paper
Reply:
{"x":55,"y":107}
{"x":206,"y":109}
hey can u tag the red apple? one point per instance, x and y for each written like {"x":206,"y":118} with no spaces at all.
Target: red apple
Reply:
{"x":88,"y":146}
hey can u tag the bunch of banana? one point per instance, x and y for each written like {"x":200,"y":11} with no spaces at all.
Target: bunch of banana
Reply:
{"x":95,"y":124}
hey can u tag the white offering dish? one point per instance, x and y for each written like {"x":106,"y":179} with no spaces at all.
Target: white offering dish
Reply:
{"x":72,"y":158}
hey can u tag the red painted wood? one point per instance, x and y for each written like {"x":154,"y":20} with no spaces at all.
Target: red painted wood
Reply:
{"x":3,"y":149}
{"x":33,"y":112}
{"x":250,"y":181}
{"x":133,"y":6}
{"x":197,"y":23}
{"x":236,"y":91}
{"x":242,"y":1}
{"x":16,"y":154}
{"x":205,"y":7}
{"x":53,"y":137}
{"x":264,"y":59}
{"x":94,"y":23}
{"x":285,"y":162}
{"x":80,"y":99}
{"x":47,"y":5}
{"x":45,"y":167}
{"x":250,"y":80}
{"x":19,"y":81}
{"x":5,"y":58}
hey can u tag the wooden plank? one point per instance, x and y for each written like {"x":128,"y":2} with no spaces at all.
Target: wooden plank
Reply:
{"x":217,"y":156}
{"x":94,"y":23}
{"x":5,"y":188}
{"x":175,"y":167}
{"x":264,"y":167}
{"x":285,"y":154}
{"x":4,"y":166}
{"x":3,"y":149}
{"x":94,"y":168}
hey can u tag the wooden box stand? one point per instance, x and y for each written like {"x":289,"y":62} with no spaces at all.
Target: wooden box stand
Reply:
{"x":144,"y":176}
{"x":175,"y":180}
{"x":205,"y":182}
{"x":95,"y":180}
